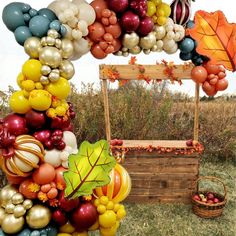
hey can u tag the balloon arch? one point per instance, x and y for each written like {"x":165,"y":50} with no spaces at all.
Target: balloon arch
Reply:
{"x":53,"y":184}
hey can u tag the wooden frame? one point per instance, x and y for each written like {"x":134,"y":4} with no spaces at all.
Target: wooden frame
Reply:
{"x":154,"y":72}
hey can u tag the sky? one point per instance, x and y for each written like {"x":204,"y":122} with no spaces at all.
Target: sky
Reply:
{"x":12,"y":55}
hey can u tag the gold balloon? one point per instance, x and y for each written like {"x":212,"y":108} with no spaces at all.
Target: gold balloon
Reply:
{"x":17,"y":198}
{"x":135,"y":50}
{"x":11,"y":224}
{"x":154,"y":48}
{"x":146,"y":51}
{"x":67,"y":69}
{"x":2,"y":215}
{"x":19,"y":211}
{"x":32,"y":46}
{"x":38,"y":217}
{"x":6,"y":194}
{"x":50,"y":41}
{"x":9,"y":208}
{"x":130,"y":40}
{"x":50,"y":56}
{"x":148,"y":41}
{"x":67,"y":48}
{"x":58,"y":43}
{"x":53,"y":33}
{"x":27,"y":204}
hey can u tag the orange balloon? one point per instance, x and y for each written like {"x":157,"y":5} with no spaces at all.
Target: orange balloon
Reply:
{"x":99,"y":6}
{"x":212,"y":68}
{"x":221,"y":85}
{"x":96,"y":31}
{"x":209,"y":89}
{"x":117,"y":44}
{"x":97,"y":52}
{"x":199,"y":74}
{"x":14,"y":179}
{"x":115,"y":30}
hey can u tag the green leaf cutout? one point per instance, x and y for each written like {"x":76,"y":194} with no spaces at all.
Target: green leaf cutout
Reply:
{"x":88,"y":169}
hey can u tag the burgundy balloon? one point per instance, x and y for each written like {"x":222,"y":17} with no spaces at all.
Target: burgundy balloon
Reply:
{"x":35,"y":119}
{"x":60,"y":123}
{"x":15,"y":124}
{"x":66,"y":204}
{"x":130,"y":21}
{"x":59,"y":217}
{"x":118,"y":5}
{"x":96,"y":31}
{"x":84,"y":216}
{"x":146,"y":26}
{"x":42,"y":135}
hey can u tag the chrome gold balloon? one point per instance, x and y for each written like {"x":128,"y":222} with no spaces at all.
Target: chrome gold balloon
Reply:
{"x":17,"y":198}
{"x":45,"y":70}
{"x":135,"y":50}
{"x":67,"y":48}
{"x":38,"y":217}
{"x":32,"y":46}
{"x":9,"y":209}
{"x":130,"y":40}
{"x":50,"y":56}
{"x":27,"y":204}
{"x":148,"y":41}
{"x":19,"y":211}
{"x":2,"y":215}
{"x":67,"y":69}
{"x":11,"y":224}
{"x":6,"y":194}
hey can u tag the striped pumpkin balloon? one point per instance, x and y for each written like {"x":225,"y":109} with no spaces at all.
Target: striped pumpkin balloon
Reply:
{"x":118,"y":188}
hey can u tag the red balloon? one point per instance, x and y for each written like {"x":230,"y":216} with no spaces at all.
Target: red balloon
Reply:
{"x":96,"y":31}
{"x":130,"y":21}
{"x":199,"y":74}
{"x":115,"y":30}
{"x":99,"y":6}
{"x":221,"y":85}
{"x":84,"y":216}
{"x":97,"y":52}
{"x":15,"y":124}
{"x":146,"y":26}
{"x":118,"y":5}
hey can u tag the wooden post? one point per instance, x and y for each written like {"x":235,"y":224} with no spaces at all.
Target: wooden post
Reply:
{"x":106,"y":109}
{"x":196,"y":114}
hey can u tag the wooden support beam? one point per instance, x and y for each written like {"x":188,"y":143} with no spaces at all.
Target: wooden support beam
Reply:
{"x":106,"y":109}
{"x":196,"y":114}
{"x":131,"y":72}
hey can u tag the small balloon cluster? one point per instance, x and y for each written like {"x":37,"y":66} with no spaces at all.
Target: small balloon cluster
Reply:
{"x":211,"y":76}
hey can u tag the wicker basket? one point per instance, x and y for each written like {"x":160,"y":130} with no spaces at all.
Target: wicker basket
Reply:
{"x":207,"y":210}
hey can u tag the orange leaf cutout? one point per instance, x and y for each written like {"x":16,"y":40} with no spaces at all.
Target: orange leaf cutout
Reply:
{"x":216,"y":38}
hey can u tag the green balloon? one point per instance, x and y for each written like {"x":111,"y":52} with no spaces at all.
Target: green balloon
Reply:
{"x":21,"y":34}
{"x":12,"y":16}
{"x":39,"y":25}
{"x":48,"y":14}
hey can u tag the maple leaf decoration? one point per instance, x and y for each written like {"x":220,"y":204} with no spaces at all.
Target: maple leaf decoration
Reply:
{"x":88,"y":169}
{"x":216,"y":38}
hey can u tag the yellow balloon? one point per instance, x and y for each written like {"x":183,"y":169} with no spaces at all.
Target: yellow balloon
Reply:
{"x":84,"y":233}
{"x":32,"y":70}
{"x":20,"y":79}
{"x":110,"y":231}
{"x":63,"y":234}
{"x":67,"y":228}
{"x":60,"y":88}
{"x":18,"y":103}
{"x":151,"y":8}
{"x":40,"y":100}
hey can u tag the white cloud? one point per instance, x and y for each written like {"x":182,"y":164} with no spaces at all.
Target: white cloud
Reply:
{"x":12,"y":55}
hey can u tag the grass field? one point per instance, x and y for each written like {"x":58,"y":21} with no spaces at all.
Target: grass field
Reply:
{"x":178,"y":220}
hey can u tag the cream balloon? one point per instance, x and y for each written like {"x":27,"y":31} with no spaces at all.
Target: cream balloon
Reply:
{"x":38,"y":217}
{"x":67,"y":48}
{"x":2,"y":215}
{"x":172,"y":50}
{"x":130,"y":40}
{"x":135,"y":50}
{"x":67,"y":69}
{"x":68,"y":32}
{"x":11,"y":224}
{"x":32,"y":46}
{"x":148,"y":41}
{"x":6,"y":194}
{"x":160,"y":32}
{"x":81,"y":47}
{"x":57,"y":6}
{"x":87,"y":13}
{"x":50,"y":56}
{"x":83,"y":27}
{"x":70,"y":140}
{"x":78,"y":2}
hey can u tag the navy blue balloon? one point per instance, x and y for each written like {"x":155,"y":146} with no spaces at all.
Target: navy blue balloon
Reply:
{"x":48,"y":14}
{"x":39,"y":25}
{"x":186,"y":45}
{"x":24,"y":232}
{"x":21,"y":34}
{"x":197,"y":60}
{"x":12,"y":16}
{"x":185,"y":56}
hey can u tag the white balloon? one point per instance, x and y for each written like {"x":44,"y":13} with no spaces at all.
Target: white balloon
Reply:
{"x":53,"y":157}
{"x":65,"y":164}
{"x":78,"y":2}
{"x":87,"y":13}
{"x":64,"y":155}
{"x":70,"y":139}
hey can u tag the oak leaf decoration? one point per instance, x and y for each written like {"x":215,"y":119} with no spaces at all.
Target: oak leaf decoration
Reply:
{"x":216,"y":38}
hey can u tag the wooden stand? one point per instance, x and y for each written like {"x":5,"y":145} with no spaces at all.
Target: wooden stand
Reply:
{"x":157,"y":177}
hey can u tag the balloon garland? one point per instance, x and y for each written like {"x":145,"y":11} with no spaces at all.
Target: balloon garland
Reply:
{"x":53,"y":187}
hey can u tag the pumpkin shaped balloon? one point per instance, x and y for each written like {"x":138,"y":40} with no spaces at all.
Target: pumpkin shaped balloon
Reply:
{"x":118,"y":188}
{"x":28,"y":152}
